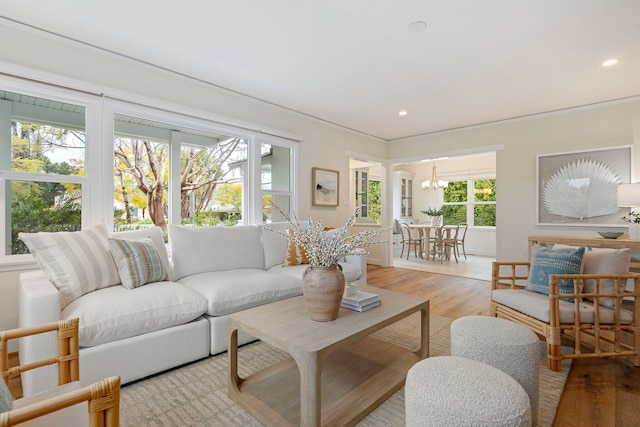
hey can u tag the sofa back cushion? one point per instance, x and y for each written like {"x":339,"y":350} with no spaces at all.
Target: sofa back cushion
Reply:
{"x":276,"y":245}
{"x":203,"y":249}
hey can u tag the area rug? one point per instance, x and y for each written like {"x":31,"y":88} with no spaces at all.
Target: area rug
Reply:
{"x":196,"y":394}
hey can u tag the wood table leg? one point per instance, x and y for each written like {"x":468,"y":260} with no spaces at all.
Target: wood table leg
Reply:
{"x":310,"y":366}
{"x":423,"y":352}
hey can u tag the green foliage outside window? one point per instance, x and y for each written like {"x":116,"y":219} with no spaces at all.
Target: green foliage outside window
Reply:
{"x":456,"y":199}
{"x":374,"y":201}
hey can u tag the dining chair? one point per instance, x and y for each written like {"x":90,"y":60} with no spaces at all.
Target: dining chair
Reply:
{"x":460,"y":240}
{"x":445,"y":243}
{"x":410,"y":238}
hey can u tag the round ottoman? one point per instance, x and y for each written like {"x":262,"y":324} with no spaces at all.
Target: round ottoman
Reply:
{"x":454,"y":391}
{"x":503,"y":344}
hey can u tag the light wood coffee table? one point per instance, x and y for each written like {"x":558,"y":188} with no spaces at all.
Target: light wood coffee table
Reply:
{"x":337,"y":374}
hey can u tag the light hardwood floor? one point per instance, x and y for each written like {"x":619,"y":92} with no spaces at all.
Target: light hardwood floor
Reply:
{"x":599,"y":392}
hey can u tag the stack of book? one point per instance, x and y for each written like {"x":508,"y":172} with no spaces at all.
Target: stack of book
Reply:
{"x":361,"y":301}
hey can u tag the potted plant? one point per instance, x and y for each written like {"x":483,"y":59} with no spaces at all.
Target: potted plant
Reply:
{"x":633,"y":218}
{"x":435,"y":214}
{"x":323,"y":281}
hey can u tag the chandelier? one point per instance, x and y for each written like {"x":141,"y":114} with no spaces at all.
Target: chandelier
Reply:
{"x":435,"y":183}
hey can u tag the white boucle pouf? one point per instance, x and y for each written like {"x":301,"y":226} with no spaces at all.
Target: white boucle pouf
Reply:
{"x":503,"y":344}
{"x":454,"y":391}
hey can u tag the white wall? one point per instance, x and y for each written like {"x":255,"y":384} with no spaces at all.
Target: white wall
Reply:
{"x":522,"y":140}
{"x":323,"y":145}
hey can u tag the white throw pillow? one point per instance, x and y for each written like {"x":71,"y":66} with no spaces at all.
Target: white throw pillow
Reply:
{"x":603,"y":261}
{"x":76,"y":262}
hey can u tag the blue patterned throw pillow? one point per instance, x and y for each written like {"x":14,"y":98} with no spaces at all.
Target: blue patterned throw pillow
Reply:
{"x":138,"y":262}
{"x":546,"y":261}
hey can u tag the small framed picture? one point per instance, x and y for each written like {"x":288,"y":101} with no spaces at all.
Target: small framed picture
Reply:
{"x":325,"y":187}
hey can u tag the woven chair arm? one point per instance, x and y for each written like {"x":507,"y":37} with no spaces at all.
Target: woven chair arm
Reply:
{"x":510,"y":274}
{"x":103,"y":396}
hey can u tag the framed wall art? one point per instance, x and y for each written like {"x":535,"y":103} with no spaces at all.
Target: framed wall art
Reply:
{"x":326,"y":184}
{"x":580,"y":188}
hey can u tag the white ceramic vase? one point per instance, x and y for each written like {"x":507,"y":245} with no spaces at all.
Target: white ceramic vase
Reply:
{"x":436,"y":220}
{"x":634,"y":231}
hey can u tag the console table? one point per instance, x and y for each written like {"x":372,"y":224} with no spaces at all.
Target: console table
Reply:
{"x":596,"y":242}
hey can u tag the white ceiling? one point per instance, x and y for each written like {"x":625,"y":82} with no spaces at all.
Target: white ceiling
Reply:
{"x":354,"y":62}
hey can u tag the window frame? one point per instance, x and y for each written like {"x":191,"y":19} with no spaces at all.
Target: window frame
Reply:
{"x":98,"y":183}
{"x":471,"y":202}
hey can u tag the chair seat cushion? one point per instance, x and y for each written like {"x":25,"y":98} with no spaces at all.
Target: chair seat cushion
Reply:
{"x":76,"y":415}
{"x":234,"y":290}
{"x":537,"y":305}
{"x":116,"y":312}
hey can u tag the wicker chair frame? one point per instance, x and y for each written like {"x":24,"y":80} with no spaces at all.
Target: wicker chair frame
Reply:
{"x":103,"y":397}
{"x":604,"y":340}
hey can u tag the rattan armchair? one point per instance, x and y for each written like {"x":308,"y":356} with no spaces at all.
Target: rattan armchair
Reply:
{"x":595,"y":330}
{"x":60,"y":406}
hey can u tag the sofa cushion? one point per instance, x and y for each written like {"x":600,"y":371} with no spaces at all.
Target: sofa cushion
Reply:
{"x":204,"y":249}
{"x":351,"y":271}
{"x":546,"y":261}
{"x":76,"y":262}
{"x":603,"y":261}
{"x":156,"y":235}
{"x":537,"y":305}
{"x":138,"y":262}
{"x":116,"y":312}
{"x":234,"y":290}
{"x":275,"y":244}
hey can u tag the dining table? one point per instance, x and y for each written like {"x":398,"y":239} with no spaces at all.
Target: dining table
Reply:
{"x":425,"y":234}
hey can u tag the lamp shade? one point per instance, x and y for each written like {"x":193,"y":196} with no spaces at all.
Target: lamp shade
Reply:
{"x":629,"y":195}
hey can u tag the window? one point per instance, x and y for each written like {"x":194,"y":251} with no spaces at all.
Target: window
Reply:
{"x":213,"y":181}
{"x":470,"y":202}
{"x":368,"y":195}
{"x":42,"y":161}
{"x":70,"y":159}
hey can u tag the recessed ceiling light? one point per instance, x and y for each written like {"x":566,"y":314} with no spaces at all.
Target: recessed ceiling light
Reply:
{"x":610,"y":62}
{"x":416,"y":27}
{"x":402,"y":113}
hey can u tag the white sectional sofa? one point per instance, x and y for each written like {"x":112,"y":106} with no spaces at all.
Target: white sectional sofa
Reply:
{"x":133,"y":333}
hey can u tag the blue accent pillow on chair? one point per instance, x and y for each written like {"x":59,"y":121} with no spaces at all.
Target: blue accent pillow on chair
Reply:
{"x":546,"y":261}
{"x":6,"y":401}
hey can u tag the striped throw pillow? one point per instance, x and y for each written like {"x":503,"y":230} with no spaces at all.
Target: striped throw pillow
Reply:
{"x":546,"y":261}
{"x":138,"y":262}
{"x":76,"y":262}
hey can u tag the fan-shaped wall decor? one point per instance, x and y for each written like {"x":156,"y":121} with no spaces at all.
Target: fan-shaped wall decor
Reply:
{"x":582,"y":189}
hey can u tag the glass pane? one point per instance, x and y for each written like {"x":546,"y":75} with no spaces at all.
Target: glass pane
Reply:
{"x":454,"y":214}
{"x":485,"y":190}
{"x":140,"y":182}
{"x":374,"y":201}
{"x":484,"y":215}
{"x":269,"y":213}
{"x":42,"y":206}
{"x":275,"y":167}
{"x":455,"y":192}
{"x":212,"y":182}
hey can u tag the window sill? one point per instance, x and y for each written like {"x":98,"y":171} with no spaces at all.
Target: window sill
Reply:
{"x":17,"y":263}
